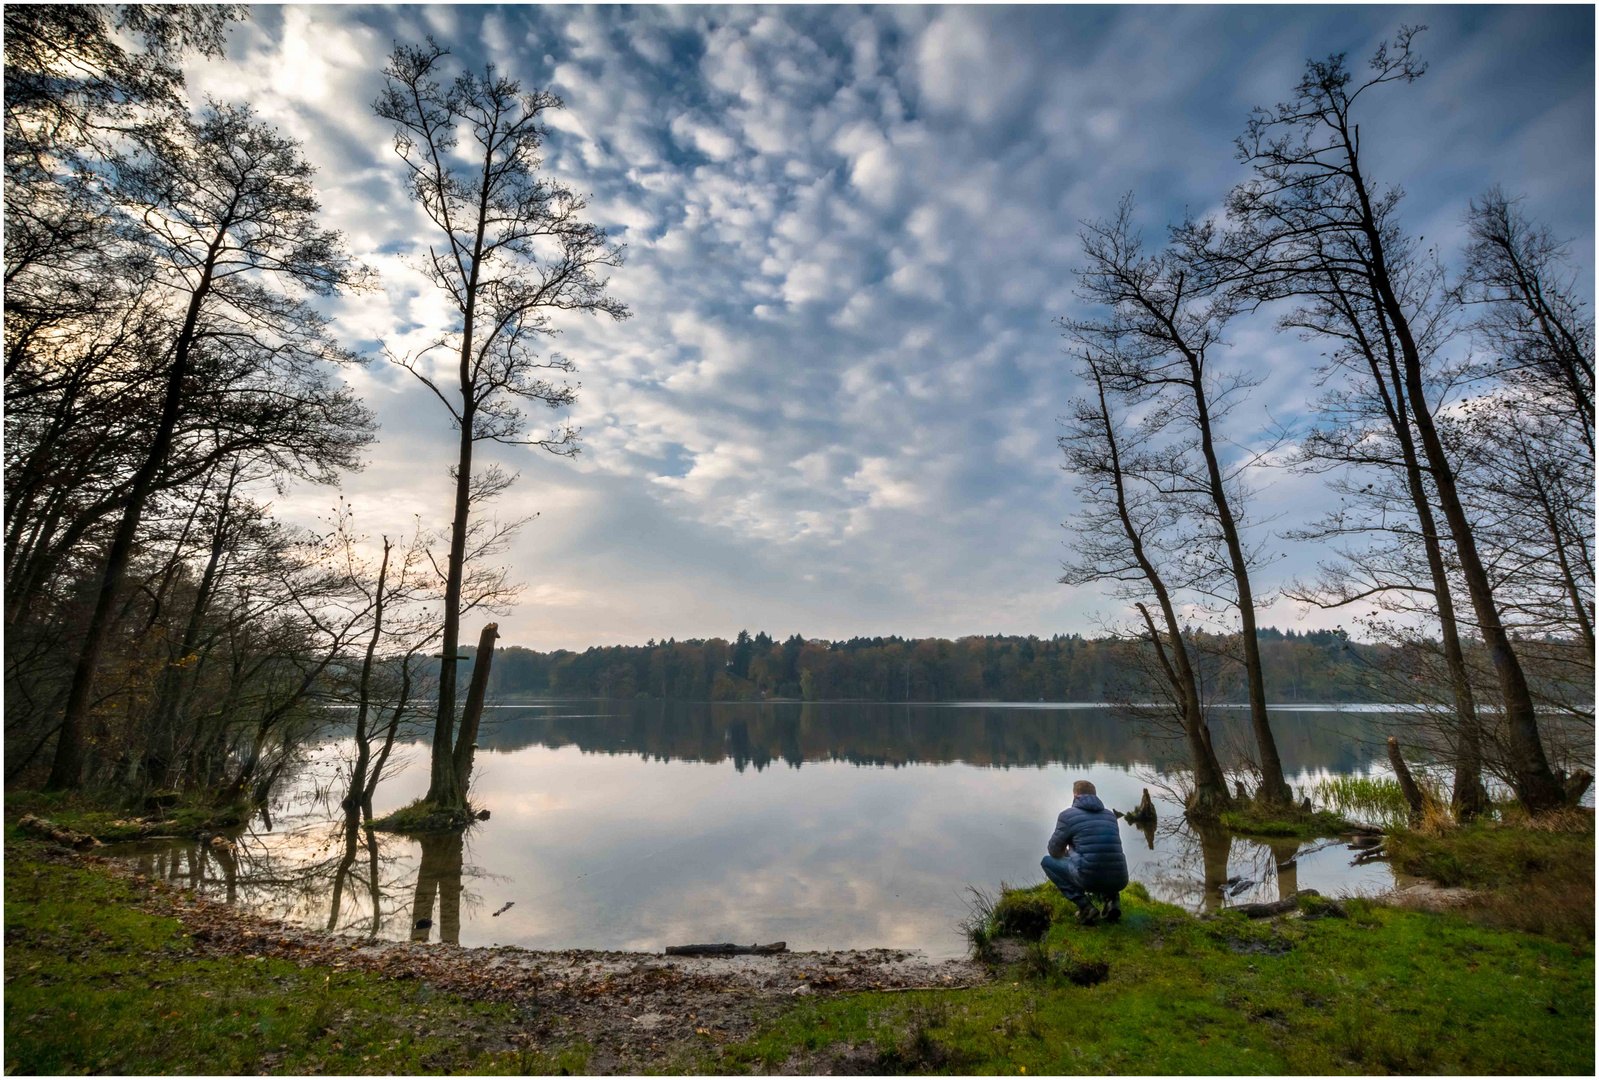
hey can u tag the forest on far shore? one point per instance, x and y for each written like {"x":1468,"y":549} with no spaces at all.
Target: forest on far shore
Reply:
{"x":1308,"y":666}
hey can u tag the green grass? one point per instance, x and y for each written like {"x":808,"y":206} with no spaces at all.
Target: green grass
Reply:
{"x":1539,"y":880}
{"x":1377,"y":799}
{"x":1250,"y":820}
{"x":1490,"y":855}
{"x":1373,"y":989}
{"x":93,"y":984}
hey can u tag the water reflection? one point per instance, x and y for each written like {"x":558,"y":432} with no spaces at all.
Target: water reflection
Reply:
{"x":624,"y":827}
{"x":438,"y":875}
{"x":760,"y":735}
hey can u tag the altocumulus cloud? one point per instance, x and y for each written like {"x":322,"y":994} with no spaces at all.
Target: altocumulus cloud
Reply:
{"x":848,"y":232}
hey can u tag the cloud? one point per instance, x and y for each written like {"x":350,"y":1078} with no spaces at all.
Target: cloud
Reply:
{"x":848,"y":233}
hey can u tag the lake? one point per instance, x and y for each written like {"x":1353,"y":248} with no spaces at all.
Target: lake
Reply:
{"x":637,"y":825}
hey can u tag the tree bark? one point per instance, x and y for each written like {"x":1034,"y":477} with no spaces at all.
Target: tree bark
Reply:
{"x":472,"y":715}
{"x":1273,"y":787}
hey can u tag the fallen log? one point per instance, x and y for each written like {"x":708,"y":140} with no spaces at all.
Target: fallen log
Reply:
{"x":1369,"y":855}
{"x":912,"y":989}
{"x":727,"y":949}
{"x":1274,"y":907}
{"x":59,"y":833}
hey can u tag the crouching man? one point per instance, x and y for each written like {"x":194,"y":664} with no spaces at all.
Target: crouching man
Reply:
{"x":1085,"y":859}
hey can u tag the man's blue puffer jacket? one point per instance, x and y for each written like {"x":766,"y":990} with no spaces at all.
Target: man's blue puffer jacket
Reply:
{"x":1096,"y":844}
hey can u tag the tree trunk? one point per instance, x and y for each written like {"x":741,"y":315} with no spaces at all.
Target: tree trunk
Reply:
{"x":161,"y":755}
{"x":471,"y":716}
{"x":443,"y":791}
{"x":67,"y":768}
{"x":1470,"y":796}
{"x":1535,"y":782}
{"x":1407,"y":783}
{"x":1273,"y":787}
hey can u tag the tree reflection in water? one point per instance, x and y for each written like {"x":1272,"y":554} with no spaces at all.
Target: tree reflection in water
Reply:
{"x":579,"y":788}
{"x":439,"y":875}
{"x":357,"y":877}
{"x":1201,"y":860}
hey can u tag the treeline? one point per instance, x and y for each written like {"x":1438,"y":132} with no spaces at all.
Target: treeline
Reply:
{"x":762,"y":734}
{"x":1311,"y":666}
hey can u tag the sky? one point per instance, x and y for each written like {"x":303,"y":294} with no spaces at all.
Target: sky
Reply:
{"x":849,"y":232}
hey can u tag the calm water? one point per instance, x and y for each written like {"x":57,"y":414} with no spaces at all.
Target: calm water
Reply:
{"x":618,"y":825}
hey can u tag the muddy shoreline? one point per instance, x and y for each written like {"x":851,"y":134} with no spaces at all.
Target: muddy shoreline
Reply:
{"x":630,"y":1007}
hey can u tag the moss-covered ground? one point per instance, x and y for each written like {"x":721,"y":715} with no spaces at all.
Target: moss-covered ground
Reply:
{"x":110,"y":820}
{"x":1372,"y":990}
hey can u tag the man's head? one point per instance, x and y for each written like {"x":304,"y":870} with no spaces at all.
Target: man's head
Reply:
{"x":1083,"y":787}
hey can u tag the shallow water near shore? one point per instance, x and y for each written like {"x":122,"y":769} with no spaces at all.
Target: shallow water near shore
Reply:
{"x":638,"y":825}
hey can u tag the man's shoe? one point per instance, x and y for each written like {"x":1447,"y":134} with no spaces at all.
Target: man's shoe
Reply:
{"x":1113,"y":910}
{"x":1086,"y":915}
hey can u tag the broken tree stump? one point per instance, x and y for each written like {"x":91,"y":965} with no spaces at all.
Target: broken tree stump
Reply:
{"x":727,"y":949}
{"x":1407,"y":783}
{"x":1144,"y":813}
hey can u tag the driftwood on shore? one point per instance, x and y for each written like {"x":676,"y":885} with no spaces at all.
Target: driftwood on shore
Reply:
{"x":1274,"y":907}
{"x":727,"y":949}
{"x":59,"y":833}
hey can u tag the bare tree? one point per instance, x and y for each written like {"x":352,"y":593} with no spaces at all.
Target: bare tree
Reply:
{"x":514,"y":250}
{"x":1124,"y":531}
{"x":1164,"y":322}
{"x":1311,"y":183}
{"x":226,"y":207}
{"x":1393,"y":553}
{"x":1530,"y":314}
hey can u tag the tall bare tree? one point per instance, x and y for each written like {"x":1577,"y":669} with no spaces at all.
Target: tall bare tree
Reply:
{"x":1529,"y":312}
{"x":1387,"y":523}
{"x":1311,"y":182}
{"x":513,"y":251}
{"x":1129,"y":531}
{"x":1164,"y":322}
{"x":230,"y":223}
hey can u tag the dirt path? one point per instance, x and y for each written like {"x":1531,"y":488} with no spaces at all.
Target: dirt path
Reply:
{"x":633,"y":1008}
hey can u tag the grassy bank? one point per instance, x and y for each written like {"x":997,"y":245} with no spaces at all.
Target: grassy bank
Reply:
{"x":1537,"y":879}
{"x":1373,"y":989}
{"x":95,"y":984}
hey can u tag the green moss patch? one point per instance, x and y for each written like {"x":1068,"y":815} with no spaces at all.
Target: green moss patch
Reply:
{"x":424,"y":817}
